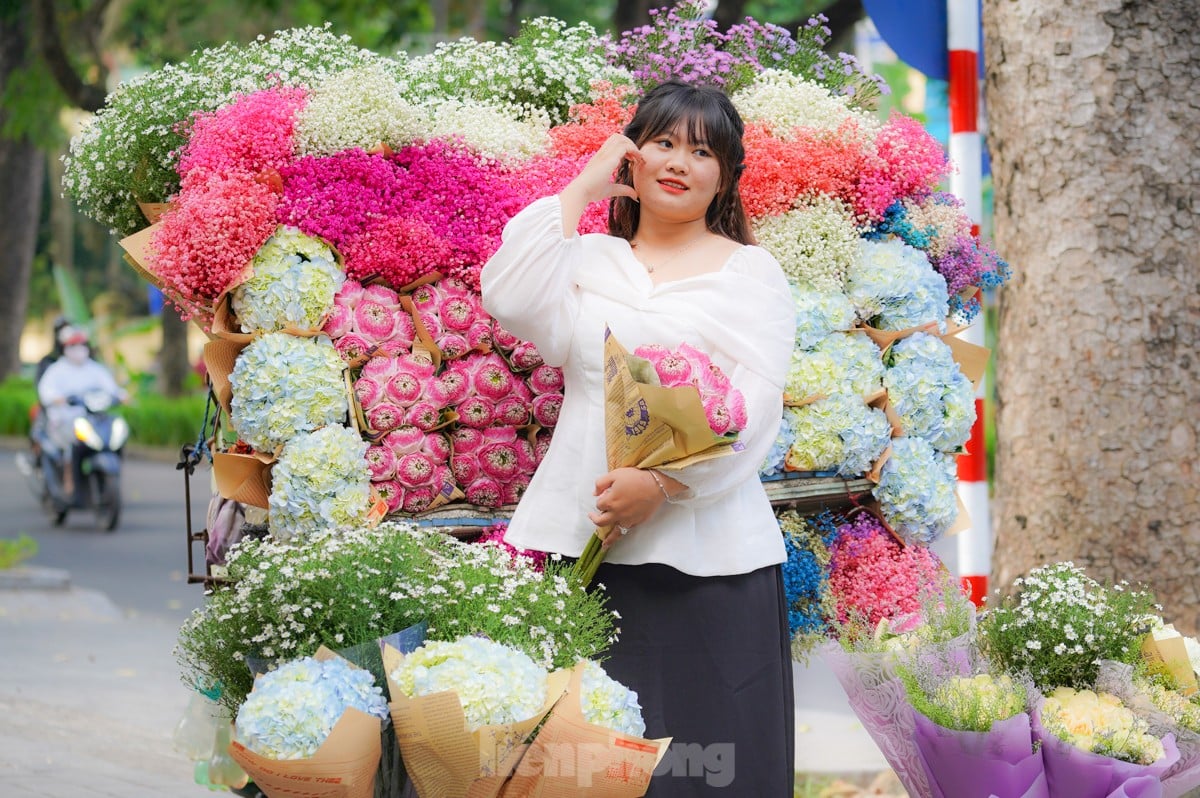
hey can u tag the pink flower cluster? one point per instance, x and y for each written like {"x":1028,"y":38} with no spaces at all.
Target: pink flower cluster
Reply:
{"x":873,"y":576}
{"x":901,"y":161}
{"x":399,"y":391}
{"x":403,"y":397}
{"x":494,"y":536}
{"x":545,"y":383}
{"x":368,"y":320}
{"x":453,"y":315}
{"x":204,"y":244}
{"x":251,"y":134}
{"x":465,"y":201}
{"x":485,"y":392}
{"x":410,"y":468}
{"x":724,"y":405}
{"x":493,"y":464}
{"x":397,"y":249}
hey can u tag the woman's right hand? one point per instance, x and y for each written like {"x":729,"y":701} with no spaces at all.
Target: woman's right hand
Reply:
{"x":596,"y":182}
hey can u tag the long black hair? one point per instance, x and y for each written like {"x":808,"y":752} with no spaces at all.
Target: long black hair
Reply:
{"x":710,"y":117}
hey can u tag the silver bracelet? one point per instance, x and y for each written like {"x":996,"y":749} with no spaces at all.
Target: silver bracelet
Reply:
{"x":661,"y":486}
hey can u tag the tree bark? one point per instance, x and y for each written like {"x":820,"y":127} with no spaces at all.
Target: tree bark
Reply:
{"x":22,"y":169}
{"x":1094,"y":133}
{"x":173,"y":361}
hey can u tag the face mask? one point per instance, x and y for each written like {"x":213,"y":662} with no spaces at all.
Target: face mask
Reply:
{"x":76,"y":354}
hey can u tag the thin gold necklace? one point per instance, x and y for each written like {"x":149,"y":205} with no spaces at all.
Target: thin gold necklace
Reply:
{"x":650,"y":267}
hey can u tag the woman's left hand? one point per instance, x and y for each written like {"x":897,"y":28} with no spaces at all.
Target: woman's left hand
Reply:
{"x":625,"y":497}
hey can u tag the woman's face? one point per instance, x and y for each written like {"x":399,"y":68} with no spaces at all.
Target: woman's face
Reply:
{"x":679,"y":177}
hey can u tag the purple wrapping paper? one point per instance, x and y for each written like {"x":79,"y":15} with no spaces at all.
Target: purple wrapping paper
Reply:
{"x":879,"y":701}
{"x":998,"y":763}
{"x":1080,"y":774}
{"x":1139,"y":787}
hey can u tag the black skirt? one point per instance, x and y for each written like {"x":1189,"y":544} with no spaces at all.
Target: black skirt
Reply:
{"x":710,"y":661}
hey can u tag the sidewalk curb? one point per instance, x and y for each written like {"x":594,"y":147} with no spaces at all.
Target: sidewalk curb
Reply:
{"x":33,"y":577}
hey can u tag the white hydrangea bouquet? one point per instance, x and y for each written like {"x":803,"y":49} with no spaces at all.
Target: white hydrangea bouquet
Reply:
{"x":523,"y":730}
{"x":311,"y":727}
{"x":463,"y":710}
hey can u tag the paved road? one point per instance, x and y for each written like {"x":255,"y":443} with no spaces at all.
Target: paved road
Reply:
{"x":142,"y":566}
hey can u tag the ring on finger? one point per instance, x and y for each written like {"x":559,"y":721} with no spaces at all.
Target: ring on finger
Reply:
{"x":624,"y":529}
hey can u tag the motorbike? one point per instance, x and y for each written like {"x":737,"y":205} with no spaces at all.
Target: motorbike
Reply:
{"x":95,"y":462}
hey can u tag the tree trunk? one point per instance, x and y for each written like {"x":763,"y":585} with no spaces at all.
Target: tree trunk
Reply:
{"x":22,"y":169}
{"x":1095,"y":146}
{"x":173,"y":361}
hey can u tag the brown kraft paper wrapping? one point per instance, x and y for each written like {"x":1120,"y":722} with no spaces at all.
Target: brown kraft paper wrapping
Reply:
{"x":571,"y":758}
{"x":220,"y":356}
{"x":649,"y":426}
{"x":343,"y":767}
{"x":245,"y":478}
{"x":442,"y":758}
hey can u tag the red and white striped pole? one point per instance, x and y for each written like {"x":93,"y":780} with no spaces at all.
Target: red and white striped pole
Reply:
{"x":962,"y":34}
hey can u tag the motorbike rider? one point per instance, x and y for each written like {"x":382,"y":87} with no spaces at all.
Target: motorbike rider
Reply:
{"x":70,"y":377}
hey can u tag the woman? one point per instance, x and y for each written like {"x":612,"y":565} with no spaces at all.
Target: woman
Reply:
{"x":693,"y":568}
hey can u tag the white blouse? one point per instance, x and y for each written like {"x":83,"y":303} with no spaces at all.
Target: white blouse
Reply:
{"x":560,"y":293}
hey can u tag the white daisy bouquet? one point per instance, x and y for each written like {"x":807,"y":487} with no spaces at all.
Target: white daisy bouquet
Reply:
{"x":916,"y":490}
{"x":295,"y":278}
{"x":320,"y":481}
{"x":284,"y":385}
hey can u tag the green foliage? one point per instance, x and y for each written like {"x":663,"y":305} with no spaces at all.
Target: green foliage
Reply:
{"x":17,"y":397}
{"x":14,"y":551}
{"x":160,"y":421}
{"x":31,"y":99}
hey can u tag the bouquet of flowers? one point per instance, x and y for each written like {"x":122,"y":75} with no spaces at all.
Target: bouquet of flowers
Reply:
{"x":591,"y":742}
{"x":972,"y":732}
{"x":1093,"y":745}
{"x":342,"y":587}
{"x":867,"y":656}
{"x":310,"y":723}
{"x":839,"y":433}
{"x":916,"y":490}
{"x":1061,"y":624}
{"x":687,"y":410}
{"x":462,"y":710}
{"x":293,"y":281}
{"x":929,"y":392}
{"x":320,"y":482}
{"x":284,"y":385}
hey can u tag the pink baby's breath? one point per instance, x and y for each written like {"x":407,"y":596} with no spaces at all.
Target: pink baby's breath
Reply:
{"x":203,"y":246}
